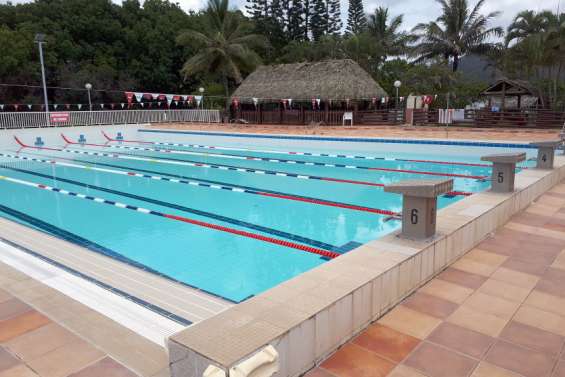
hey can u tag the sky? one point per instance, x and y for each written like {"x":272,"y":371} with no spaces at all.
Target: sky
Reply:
{"x":415,"y":11}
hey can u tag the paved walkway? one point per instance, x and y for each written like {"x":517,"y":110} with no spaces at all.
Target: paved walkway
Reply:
{"x":497,"y":312}
{"x":32,"y":345}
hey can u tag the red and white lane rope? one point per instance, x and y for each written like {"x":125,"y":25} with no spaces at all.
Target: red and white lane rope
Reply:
{"x":275,"y":160}
{"x":207,"y":185}
{"x":276,"y":241}
{"x":295,"y":153}
{"x":214,"y":166}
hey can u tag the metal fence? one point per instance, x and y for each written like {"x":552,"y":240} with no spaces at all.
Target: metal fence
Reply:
{"x":83,"y":118}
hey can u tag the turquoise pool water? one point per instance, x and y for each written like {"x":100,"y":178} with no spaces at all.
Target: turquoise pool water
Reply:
{"x":249,"y":215}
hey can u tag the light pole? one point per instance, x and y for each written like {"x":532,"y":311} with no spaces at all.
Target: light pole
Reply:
{"x":40,"y":40}
{"x":397,"y":85}
{"x":88,"y":87}
{"x":201,"y":90}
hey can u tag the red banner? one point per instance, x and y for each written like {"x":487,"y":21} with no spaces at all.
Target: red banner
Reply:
{"x":59,"y":117}
{"x":129,"y":96}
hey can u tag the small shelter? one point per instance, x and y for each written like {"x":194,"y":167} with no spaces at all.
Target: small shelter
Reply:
{"x":507,"y":94}
{"x":327,"y":83}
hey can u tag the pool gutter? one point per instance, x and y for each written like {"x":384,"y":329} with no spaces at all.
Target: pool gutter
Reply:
{"x":308,"y":317}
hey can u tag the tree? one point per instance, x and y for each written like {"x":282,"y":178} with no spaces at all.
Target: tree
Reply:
{"x":460,"y":30}
{"x":334,"y":17}
{"x":391,"y":40}
{"x":536,"y":52}
{"x":319,"y":19}
{"x":297,"y":22}
{"x":225,"y":46}
{"x":527,"y":23}
{"x":356,"y":20}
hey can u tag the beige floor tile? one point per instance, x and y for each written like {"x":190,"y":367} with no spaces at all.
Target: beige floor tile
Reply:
{"x":555,"y":234}
{"x":33,"y":344}
{"x":489,"y":304}
{"x":474,"y":267}
{"x":541,"y":319}
{"x":18,"y":371}
{"x":517,"y":278}
{"x":504,"y":290}
{"x":486,"y":257}
{"x":485,"y":369}
{"x":447,"y":291}
{"x":404,"y":371}
{"x":559,"y":261}
{"x":410,"y":322}
{"x":484,"y":323}
{"x":65,"y":360}
{"x":547,"y":302}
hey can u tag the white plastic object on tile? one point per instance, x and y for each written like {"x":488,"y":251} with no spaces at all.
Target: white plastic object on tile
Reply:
{"x":264,"y":363}
{"x":213,"y":371}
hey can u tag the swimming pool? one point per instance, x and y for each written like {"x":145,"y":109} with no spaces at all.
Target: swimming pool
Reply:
{"x":230,"y":216}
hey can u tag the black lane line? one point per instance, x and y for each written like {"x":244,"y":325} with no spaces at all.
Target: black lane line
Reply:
{"x":291,"y":236}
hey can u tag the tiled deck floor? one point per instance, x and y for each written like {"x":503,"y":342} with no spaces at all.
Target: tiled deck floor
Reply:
{"x":374,"y":131}
{"x":32,"y":345}
{"x":497,"y":312}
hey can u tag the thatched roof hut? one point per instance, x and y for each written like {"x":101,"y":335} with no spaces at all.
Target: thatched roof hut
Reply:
{"x":326,"y":80}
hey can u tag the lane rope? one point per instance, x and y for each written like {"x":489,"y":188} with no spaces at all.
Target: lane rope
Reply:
{"x":292,"y":245}
{"x":179,"y":207}
{"x":273,"y":160}
{"x":295,"y":153}
{"x":206,"y":185}
{"x":173,"y":161}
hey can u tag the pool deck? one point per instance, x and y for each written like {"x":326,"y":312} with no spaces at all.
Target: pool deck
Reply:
{"x":457,"y":133}
{"x":499,"y":311}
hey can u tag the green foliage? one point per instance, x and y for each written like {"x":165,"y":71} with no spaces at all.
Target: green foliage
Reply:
{"x":356,"y":19}
{"x":94,"y":41}
{"x":458,"y":31}
{"x":225,"y":46}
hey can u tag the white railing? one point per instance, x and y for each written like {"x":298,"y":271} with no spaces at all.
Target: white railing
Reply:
{"x":83,"y":118}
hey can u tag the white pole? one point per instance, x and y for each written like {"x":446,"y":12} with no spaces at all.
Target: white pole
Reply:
{"x":39,"y":38}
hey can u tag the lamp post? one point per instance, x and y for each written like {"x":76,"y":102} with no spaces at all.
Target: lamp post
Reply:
{"x":397,"y":85}
{"x":88,"y":87}
{"x":201,"y":90}
{"x":40,"y":40}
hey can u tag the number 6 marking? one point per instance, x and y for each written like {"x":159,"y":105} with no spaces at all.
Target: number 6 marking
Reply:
{"x":414,"y":216}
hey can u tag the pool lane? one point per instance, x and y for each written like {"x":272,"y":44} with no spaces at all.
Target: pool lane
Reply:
{"x":292,"y":153}
{"x":248,"y":158}
{"x":328,"y":192}
{"x":210,"y":215}
{"x":298,"y":171}
{"x":250,"y":210}
{"x":215,"y":185}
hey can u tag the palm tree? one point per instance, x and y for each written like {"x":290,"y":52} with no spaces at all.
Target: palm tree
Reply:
{"x":225,"y":46}
{"x":457,"y":32}
{"x":392,"y":41}
{"x":527,"y":23}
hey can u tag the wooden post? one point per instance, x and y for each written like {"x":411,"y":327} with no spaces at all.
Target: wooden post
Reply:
{"x":326,"y":111}
{"x":355,"y":111}
{"x":503,"y":106}
{"x":260,"y":113}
